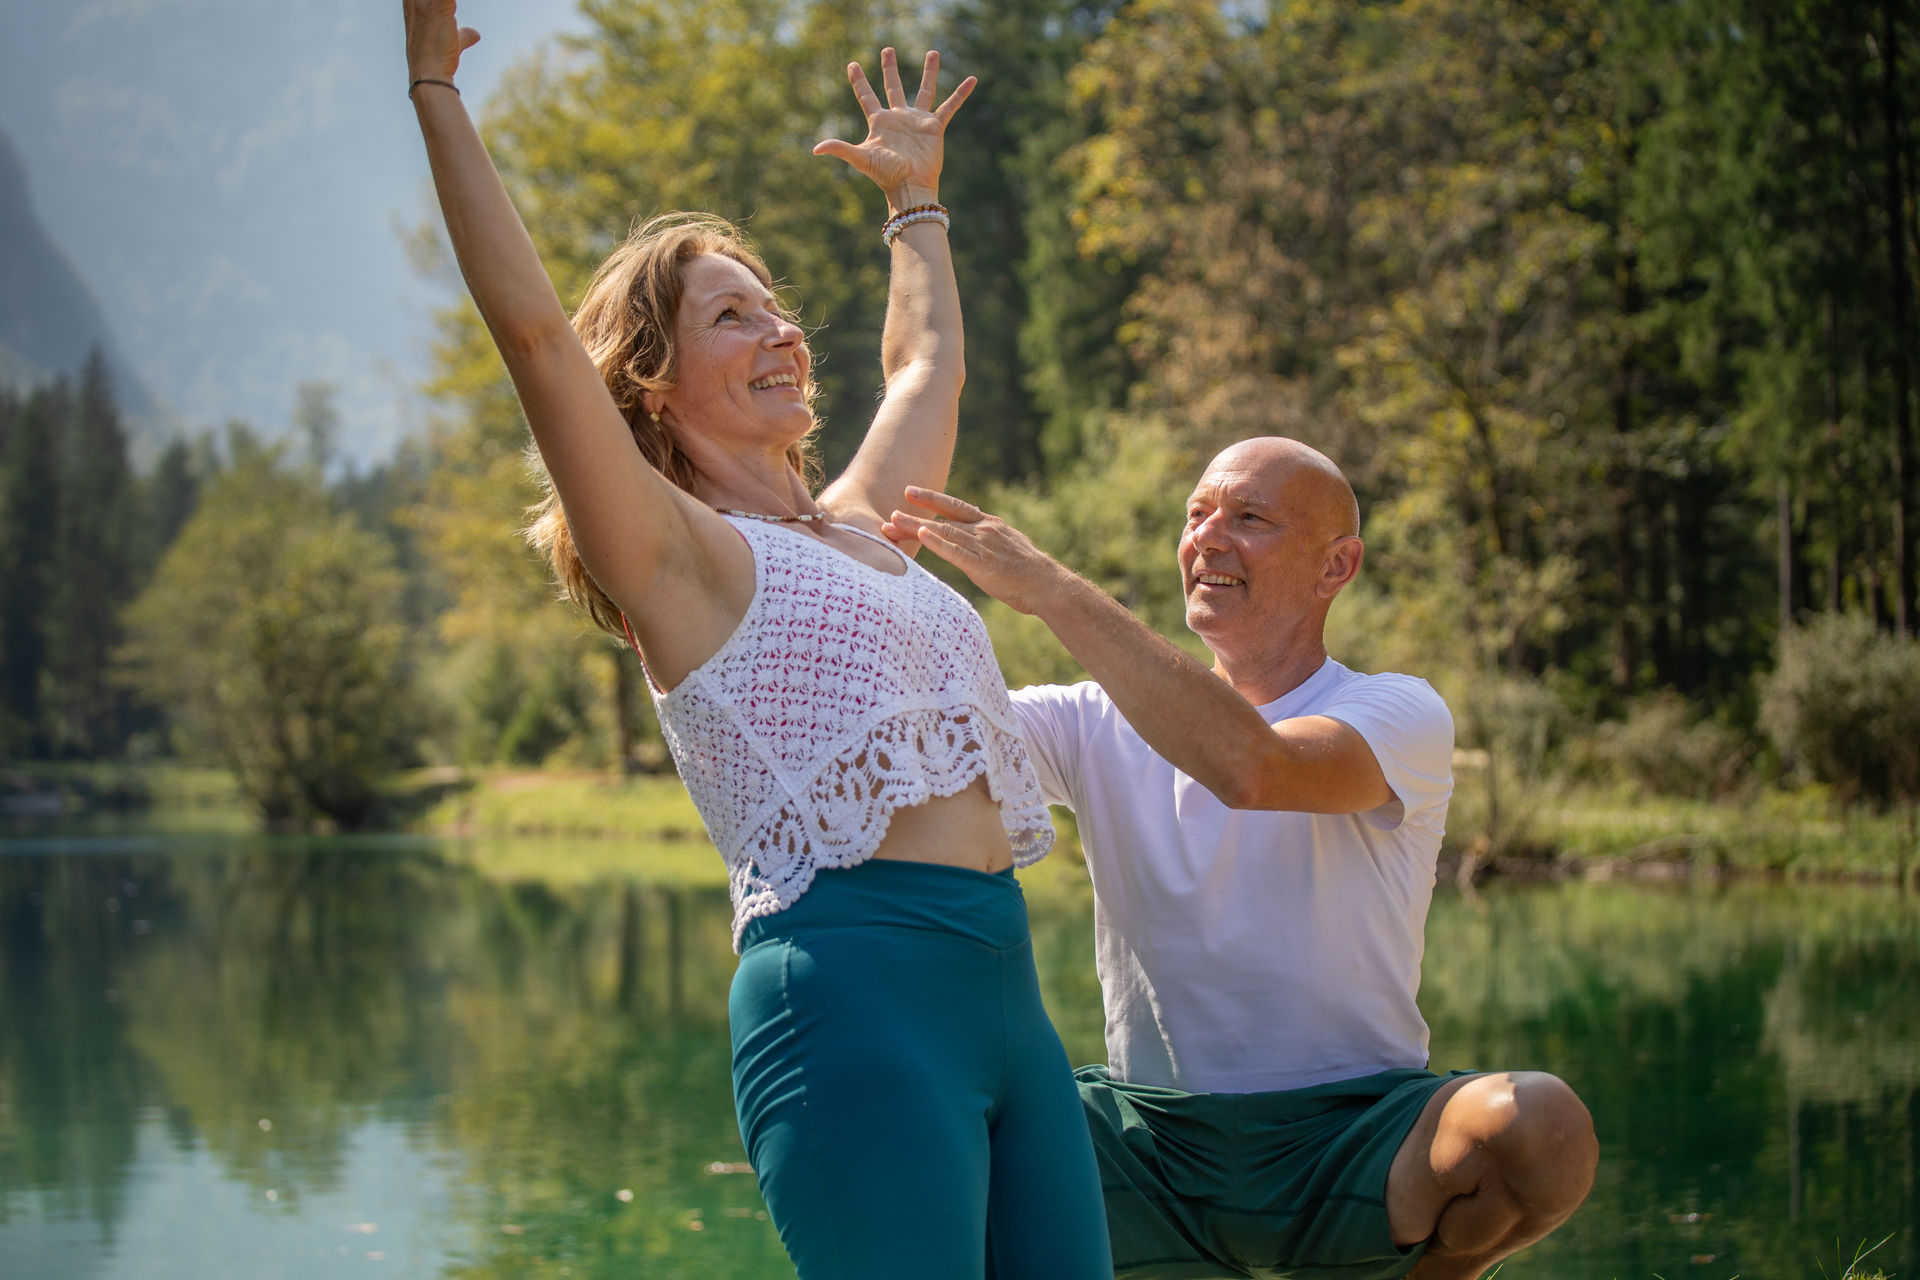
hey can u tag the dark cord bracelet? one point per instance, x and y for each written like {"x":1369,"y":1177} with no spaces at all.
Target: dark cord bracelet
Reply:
{"x":430,"y":80}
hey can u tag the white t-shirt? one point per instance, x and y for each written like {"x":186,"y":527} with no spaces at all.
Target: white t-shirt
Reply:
{"x":1240,"y":950}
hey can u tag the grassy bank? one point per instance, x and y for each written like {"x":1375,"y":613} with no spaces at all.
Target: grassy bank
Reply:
{"x":1550,"y":827}
{"x":160,"y":797}
{"x":550,"y":803}
{"x":1536,"y":828}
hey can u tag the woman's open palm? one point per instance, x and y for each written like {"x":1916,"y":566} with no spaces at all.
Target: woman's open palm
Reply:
{"x":903,"y":146}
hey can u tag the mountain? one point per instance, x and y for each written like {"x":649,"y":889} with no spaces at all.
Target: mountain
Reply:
{"x":49,"y":319}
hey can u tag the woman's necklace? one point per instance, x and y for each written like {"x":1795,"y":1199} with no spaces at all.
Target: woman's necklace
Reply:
{"x":813,"y":521}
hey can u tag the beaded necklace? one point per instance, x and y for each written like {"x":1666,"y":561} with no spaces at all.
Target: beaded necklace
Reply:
{"x":813,"y":521}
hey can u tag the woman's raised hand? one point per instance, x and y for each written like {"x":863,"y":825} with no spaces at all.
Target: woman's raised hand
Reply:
{"x":435,"y":40}
{"x":903,"y":145}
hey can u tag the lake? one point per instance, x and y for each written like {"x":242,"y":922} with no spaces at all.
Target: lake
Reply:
{"x":254,"y":1058}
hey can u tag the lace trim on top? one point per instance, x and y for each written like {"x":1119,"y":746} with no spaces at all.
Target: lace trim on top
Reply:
{"x":845,"y":693}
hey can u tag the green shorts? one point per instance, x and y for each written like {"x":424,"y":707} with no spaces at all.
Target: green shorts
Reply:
{"x":1284,"y":1184}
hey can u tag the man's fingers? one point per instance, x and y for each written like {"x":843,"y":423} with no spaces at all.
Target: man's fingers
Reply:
{"x":935,"y":539}
{"x":468,"y":38}
{"x":944,"y":503}
{"x":929,"y":81}
{"x":836,"y":148}
{"x":960,"y":94}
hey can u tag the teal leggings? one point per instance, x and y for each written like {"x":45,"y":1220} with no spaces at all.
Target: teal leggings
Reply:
{"x":904,"y":1100}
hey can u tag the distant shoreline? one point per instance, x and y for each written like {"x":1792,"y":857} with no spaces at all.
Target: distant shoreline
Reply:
{"x":1557,"y":835}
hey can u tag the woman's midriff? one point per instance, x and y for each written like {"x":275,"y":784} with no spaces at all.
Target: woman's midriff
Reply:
{"x":960,"y":830}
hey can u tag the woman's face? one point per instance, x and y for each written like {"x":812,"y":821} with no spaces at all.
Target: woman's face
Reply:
{"x":742,"y":367}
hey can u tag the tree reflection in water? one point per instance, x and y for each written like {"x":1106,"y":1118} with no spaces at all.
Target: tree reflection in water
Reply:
{"x":554,"y":1040}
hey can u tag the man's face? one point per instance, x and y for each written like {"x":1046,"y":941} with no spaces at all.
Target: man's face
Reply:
{"x":1254,"y":547}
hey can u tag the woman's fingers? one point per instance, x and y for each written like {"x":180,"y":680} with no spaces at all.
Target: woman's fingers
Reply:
{"x":435,"y":40}
{"x":896,"y":93}
{"x":929,"y":81}
{"x":863,"y":91}
{"x":952,"y":104}
{"x":890,"y":76}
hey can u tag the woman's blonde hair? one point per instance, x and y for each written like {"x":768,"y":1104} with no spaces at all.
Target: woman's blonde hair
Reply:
{"x":627,"y":322}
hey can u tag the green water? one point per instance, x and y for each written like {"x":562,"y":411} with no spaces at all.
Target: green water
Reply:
{"x":399,"y":1059}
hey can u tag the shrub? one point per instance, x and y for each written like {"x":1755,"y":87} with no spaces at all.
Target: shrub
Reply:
{"x":1664,"y":746}
{"x":274,"y":631}
{"x":1843,"y":705}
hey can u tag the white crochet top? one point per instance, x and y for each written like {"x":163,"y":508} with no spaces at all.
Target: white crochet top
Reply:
{"x":845,"y":693}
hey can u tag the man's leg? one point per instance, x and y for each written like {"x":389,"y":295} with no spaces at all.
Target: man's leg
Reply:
{"x":1494,"y":1163}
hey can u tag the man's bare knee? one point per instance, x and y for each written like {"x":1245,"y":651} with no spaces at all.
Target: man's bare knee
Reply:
{"x":1548,"y":1151}
{"x":1509,"y":1155}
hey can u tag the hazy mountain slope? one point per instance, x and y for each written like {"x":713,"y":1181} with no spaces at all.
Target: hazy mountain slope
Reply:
{"x":231,"y":179}
{"x":49,"y":319}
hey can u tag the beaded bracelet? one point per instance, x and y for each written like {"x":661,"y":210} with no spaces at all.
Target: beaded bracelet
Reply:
{"x":430,"y":80}
{"x":907,"y":217}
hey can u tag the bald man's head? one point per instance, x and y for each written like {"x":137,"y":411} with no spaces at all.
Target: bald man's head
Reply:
{"x":1272,"y":536}
{"x":1313,"y":486}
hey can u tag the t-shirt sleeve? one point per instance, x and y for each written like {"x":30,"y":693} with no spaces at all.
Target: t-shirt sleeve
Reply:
{"x":1053,"y":723}
{"x":1410,"y":731}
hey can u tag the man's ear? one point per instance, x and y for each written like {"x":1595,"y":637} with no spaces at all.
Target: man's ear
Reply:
{"x":1342,"y":563}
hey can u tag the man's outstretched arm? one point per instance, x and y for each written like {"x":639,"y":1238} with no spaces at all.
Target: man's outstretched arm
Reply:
{"x":1195,"y":719}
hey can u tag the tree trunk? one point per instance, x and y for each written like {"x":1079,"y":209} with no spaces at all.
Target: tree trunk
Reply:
{"x":1626,"y":637}
{"x":1837,"y":457}
{"x":1659,"y":583}
{"x":627,"y":720}
{"x":1622,"y":486}
{"x":1788,"y":552}
{"x":1900,"y":287}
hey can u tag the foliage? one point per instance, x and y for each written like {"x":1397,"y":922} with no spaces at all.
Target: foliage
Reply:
{"x":1609,"y":311}
{"x":273,"y":630}
{"x":1844,"y":704}
{"x":1665,"y":747}
{"x":74,"y":526}
{"x":661,"y":104}
{"x":1010,"y":216}
{"x":29,"y":515}
{"x":98,"y":526}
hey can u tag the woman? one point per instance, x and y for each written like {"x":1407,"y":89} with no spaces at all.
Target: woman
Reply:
{"x":836,"y":713}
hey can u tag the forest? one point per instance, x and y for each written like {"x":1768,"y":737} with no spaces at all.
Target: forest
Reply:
{"x":1611,"y":312}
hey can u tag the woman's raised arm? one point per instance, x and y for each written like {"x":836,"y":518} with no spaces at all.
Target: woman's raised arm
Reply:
{"x":921,"y":351}
{"x":627,"y":521}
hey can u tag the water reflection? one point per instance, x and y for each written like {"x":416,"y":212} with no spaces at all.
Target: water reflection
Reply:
{"x":430,"y":1059}
{"x":1751,"y":1055}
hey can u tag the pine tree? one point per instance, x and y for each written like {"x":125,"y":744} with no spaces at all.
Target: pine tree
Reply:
{"x":29,"y":530}
{"x":87,"y":711}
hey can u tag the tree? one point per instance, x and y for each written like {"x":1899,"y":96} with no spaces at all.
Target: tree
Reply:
{"x":29,"y":531}
{"x":1844,"y":704}
{"x":273,"y":631}
{"x":659,"y":105}
{"x":170,"y":493}
{"x":1011,"y":209}
{"x":1777,"y":192}
{"x":88,"y":711}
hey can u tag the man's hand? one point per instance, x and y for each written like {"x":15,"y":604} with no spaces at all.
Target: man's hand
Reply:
{"x":999,"y":559}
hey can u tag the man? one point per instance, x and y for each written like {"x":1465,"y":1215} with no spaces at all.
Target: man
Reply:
{"x":1262,"y":840}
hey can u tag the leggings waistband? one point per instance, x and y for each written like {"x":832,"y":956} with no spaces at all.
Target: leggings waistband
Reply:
{"x":980,"y":906}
